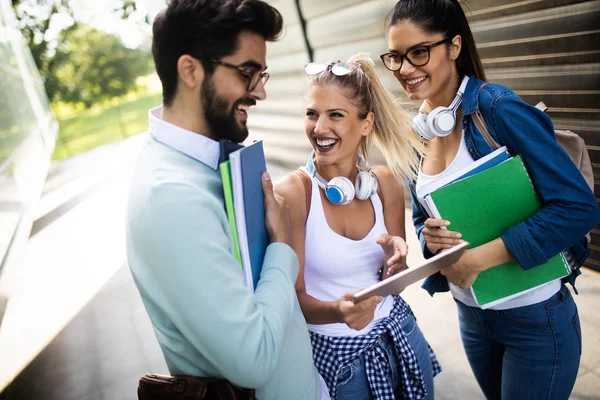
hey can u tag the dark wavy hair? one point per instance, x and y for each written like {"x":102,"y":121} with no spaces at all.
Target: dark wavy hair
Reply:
{"x":206,"y":29}
{"x":441,"y":16}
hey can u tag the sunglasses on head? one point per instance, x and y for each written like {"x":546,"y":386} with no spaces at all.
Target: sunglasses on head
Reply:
{"x":337,"y":68}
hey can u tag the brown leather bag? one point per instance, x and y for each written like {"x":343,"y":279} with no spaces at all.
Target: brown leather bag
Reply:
{"x":165,"y":387}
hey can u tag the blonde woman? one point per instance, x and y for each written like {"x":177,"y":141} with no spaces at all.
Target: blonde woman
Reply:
{"x":348,"y":230}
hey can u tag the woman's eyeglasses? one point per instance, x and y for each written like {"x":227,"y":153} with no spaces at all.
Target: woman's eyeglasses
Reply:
{"x":337,"y":68}
{"x":251,"y":74}
{"x":417,"y":57}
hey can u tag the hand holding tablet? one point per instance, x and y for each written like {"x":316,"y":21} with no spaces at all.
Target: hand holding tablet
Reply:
{"x":397,"y":283}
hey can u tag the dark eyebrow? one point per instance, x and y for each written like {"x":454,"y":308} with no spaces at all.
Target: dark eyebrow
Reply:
{"x":412,"y":47}
{"x":253,"y":64}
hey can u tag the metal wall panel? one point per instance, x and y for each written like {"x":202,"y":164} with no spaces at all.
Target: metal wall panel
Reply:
{"x":278,"y":120}
{"x":545,"y":50}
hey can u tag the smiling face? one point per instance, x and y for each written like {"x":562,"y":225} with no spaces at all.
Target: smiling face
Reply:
{"x":333,"y":125}
{"x":224,"y":95}
{"x":431,"y":80}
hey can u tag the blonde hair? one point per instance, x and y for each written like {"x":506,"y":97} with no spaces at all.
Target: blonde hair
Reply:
{"x":392,"y":130}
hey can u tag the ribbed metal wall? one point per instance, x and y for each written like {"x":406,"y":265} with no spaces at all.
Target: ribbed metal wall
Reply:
{"x":279,"y":119}
{"x":545,"y":50}
{"x":550,"y":51}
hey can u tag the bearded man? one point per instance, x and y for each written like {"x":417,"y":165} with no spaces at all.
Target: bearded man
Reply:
{"x":210,"y":56}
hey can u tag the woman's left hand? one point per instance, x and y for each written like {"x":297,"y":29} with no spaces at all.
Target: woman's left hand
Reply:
{"x":464,"y":272}
{"x":395,"y":250}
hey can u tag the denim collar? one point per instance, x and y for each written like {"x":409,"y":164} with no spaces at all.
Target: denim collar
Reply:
{"x":470,"y":102}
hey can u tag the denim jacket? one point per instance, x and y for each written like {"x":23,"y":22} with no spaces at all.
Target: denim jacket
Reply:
{"x":569,"y":209}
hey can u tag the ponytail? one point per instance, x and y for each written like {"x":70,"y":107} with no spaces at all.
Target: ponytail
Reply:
{"x":392,"y":130}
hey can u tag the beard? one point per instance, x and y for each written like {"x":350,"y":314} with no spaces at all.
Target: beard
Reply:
{"x":220,"y":117}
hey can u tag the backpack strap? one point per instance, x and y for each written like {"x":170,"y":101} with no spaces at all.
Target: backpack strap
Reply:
{"x":482,"y":126}
{"x":307,"y":188}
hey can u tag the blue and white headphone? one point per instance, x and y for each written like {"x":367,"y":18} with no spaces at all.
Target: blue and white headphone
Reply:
{"x":442,"y":120}
{"x":340,"y":189}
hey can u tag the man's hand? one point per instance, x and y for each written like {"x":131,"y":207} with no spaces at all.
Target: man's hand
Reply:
{"x":395,"y":250}
{"x":357,"y":315}
{"x":464,"y":272}
{"x":437,"y":238}
{"x":277,"y":215}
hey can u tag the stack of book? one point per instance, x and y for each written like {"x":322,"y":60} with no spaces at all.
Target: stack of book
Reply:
{"x":241,"y":172}
{"x":482,"y":201}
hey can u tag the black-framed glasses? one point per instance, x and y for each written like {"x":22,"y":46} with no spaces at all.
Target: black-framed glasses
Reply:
{"x":417,"y":56}
{"x":251,"y":74}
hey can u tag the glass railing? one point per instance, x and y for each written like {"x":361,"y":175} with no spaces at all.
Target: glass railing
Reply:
{"x":27,"y":136}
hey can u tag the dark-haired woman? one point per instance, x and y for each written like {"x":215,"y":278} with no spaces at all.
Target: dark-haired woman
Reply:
{"x":528,"y":347}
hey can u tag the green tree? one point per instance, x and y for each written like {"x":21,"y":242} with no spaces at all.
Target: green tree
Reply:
{"x":36,"y":18}
{"x":92,"y":66}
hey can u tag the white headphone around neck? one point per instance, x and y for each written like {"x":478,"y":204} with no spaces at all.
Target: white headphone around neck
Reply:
{"x":441,"y":121}
{"x":340,"y":189}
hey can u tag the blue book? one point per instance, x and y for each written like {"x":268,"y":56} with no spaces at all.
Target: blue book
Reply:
{"x":247,"y":166}
{"x":226,"y":147}
{"x":486,"y":165}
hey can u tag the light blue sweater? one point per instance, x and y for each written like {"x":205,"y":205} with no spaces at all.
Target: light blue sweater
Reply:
{"x":206,"y":321}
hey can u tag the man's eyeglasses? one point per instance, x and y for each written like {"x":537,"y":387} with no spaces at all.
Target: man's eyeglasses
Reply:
{"x":417,"y":57}
{"x":251,"y":74}
{"x":337,"y":68}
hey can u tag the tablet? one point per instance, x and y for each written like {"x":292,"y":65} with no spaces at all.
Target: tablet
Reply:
{"x":397,"y":283}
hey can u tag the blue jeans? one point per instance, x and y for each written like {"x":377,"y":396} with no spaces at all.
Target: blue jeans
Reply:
{"x":530,"y":352}
{"x":352,"y":379}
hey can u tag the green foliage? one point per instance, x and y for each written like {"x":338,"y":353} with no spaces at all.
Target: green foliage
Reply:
{"x":34,"y":18}
{"x":83,"y":65}
{"x":126,"y":8}
{"x":91,"y":66}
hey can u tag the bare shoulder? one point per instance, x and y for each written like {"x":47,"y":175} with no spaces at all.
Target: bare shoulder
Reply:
{"x":390,"y":186}
{"x":289,"y":186}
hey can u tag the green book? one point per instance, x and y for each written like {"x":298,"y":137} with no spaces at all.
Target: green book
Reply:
{"x":482,"y":207}
{"x":225,"y":169}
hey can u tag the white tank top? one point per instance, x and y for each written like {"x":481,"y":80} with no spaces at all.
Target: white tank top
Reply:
{"x":334,"y":264}
{"x":541,"y":293}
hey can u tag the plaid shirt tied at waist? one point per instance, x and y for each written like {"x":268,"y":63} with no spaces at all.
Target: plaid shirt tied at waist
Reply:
{"x":331,"y":354}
